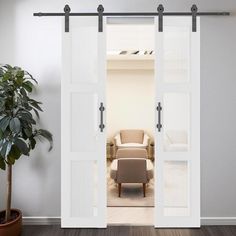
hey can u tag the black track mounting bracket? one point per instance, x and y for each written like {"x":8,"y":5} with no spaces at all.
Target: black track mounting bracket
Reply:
{"x":67,"y":16}
{"x":160,"y":10}
{"x":194,"y":18}
{"x":100,"y":11}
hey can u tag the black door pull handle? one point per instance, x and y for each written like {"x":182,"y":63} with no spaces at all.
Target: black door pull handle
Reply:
{"x":101,"y":109}
{"x":159,"y":125}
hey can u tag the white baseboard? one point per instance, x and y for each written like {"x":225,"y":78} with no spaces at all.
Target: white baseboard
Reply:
{"x":218,"y":220}
{"x":41,"y":220}
{"x":44,"y":220}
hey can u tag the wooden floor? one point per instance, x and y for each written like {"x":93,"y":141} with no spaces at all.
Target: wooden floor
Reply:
{"x":128,"y":231}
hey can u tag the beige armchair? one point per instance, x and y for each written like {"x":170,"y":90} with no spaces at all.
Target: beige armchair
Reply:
{"x":131,"y":138}
{"x":131,"y":166}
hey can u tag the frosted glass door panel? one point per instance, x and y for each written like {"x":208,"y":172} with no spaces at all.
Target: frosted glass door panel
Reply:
{"x":84,"y":134}
{"x":176,"y":188}
{"x":176,"y":122}
{"x":176,"y":54}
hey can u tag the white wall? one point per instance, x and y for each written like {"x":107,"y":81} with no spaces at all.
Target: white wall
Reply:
{"x":130,"y":101}
{"x":34,"y":43}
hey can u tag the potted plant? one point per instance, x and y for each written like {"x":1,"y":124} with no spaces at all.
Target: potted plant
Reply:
{"x":18,"y":133}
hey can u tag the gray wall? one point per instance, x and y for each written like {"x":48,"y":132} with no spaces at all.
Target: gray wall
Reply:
{"x":34,"y":44}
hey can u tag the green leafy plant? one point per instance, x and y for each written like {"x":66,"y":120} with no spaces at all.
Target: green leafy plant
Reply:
{"x":18,"y":127}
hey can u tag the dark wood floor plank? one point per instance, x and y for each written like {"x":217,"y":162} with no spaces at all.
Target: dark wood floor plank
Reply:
{"x":128,"y":231}
{"x":142,"y":230}
{"x":221,"y":230}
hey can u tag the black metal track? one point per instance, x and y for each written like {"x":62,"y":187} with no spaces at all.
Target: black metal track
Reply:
{"x":135,"y":14}
{"x":160,"y":13}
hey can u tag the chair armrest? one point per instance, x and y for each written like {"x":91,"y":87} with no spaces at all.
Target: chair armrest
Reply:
{"x":117,"y":140}
{"x":145,"y":139}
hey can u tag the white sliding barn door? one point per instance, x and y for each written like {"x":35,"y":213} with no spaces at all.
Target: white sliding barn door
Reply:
{"x":177,"y":74}
{"x":83,"y":158}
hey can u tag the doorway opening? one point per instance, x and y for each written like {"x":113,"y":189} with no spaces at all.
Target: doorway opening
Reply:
{"x":130,"y":122}
{"x":130,"y":118}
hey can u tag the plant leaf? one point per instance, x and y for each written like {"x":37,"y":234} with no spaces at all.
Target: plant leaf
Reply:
{"x":19,"y":73}
{"x":3,"y":149}
{"x":6,"y":76}
{"x":34,"y":101}
{"x":2,"y":164}
{"x":35,"y":105}
{"x":22,"y":91}
{"x":15,"y":152}
{"x":31,"y":77}
{"x":27,"y":116}
{"x":27,"y":87}
{"x":15,"y":125}
{"x":22,"y":146}
{"x":47,"y":135}
{"x":6,"y":147}
{"x":1,"y":134}
{"x":4,"y":123}
{"x":28,"y":132}
{"x":36,"y":113}
{"x":32,"y":143}
{"x":10,"y":160}
{"x":19,"y":81}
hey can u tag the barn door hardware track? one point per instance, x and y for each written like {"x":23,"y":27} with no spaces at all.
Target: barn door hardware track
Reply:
{"x":160,"y":13}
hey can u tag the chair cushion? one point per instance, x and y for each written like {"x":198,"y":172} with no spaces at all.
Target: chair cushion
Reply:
{"x":131,"y":153}
{"x":114,"y":164}
{"x":132,"y":145}
{"x":131,"y":136}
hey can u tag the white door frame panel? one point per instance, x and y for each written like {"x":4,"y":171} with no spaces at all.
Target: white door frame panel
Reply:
{"x":83,"y":154}
{"x":167,"y":216}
